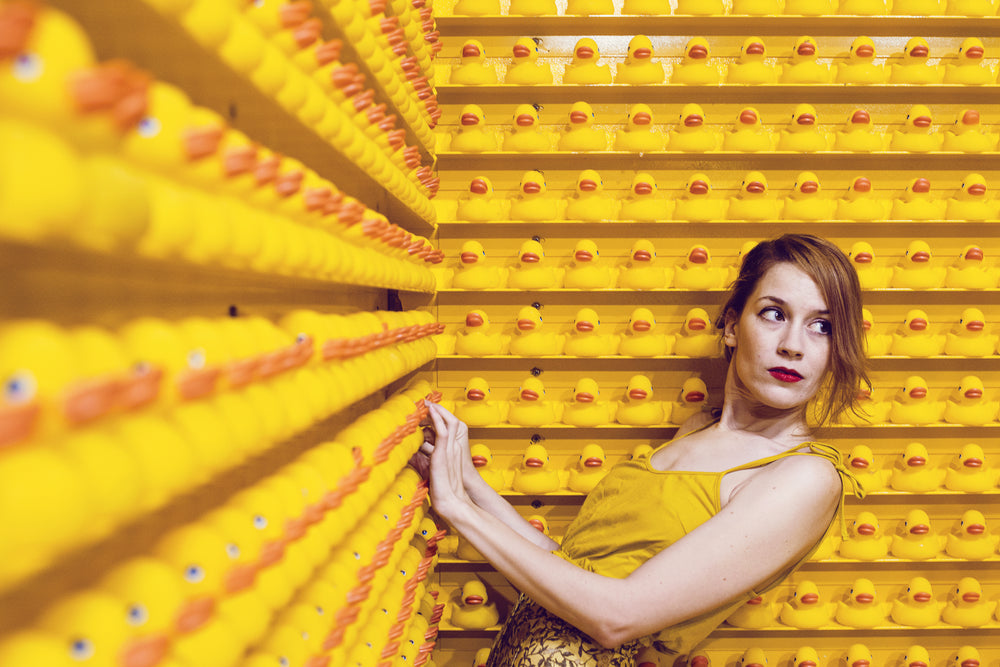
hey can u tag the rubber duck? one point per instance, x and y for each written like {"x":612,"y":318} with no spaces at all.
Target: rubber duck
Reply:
{"x":692,"y":399}
{"x":863,"y":7}
{"x":527,"y":135}
{"x":748,"y":134}
{"x":92,"y":626}
{"x":802,"y":135}
{"x":915,"y":656}
{"x":970,"y":538}
{"x":585,"y":68}
{"x":535,"y":475}
{"x":638,"y":407}
{"x":969,"y":471}
{"x":861,"y":461}
{"x":914,"y":270}
{"x":805,"y":202}
{"x":802,"y":66}
{"x":865,"y":539}
{"x":805,"y":609}
{"x":805,"y":656}
{"x":860,"y":607}
{"x":482,"y":459}
{"x":967,"y":607}
{"x":967,"y":404}
{"x":477,"y":409}
{"x":969,"y":68}
{"x":643,"y":203}
{"x":586,"y":408}
{"x":526,"y":70}
{"x":529,"y":340}
{"x":640,"y":339}
{"x":580,"y":134}
{"x":971,"y":8}
{"x":480,"y":658}
{"x":871,"y":276}
{"x":529,"y":407}
{"x":639,"y":134}
{"x":481,"y":204}
{"x":638,"y":68}
{"x":755,"y":614}
{"x":914,"y":338}
{"x":589,"y":7}
{"x":586,"y":270}
{"x":753,"y":202}
{"x":914,"y":67}
{"x":970,"y":203}
{"x":696,"y":272}
{"x":641,"y":270}
{"x":589,"y":469}
{"x":472,"y":271}
{"x":697,"y":337}
{"x":757,"y":7}
{"x":966,"y":655}
{"x":860,"y":67}
{"x":859,"y":655}
{"x":590,"y":203}
{"x":876,"y":345}
{"x":966,"y":134}
{"x":917,"y":7}
{"x":478,"y":338}
{"x":859,"y":204}
{"x":870,"y":411}
{"x":911,"y":404}
{"x":692,"y":135}
{"x":859,"y":135}
{"x":701,"y":7}
{"x":915,"y":606}
{"x":913,"y":539}
{"x":751,"y":66}
{"x":585,"y":338}
{"x":696,"y":67}
{"x":471,"y":608}
{"x":697,"y":203}
{"x":477,"y":8}
{"x":532,"y":203}
{"x":912,"y":473}
{"x":473,"y":70}
{"x":532,"y":271}
{"x":473,"y":136}
{"x":969,"y":336}
{"x":917,"y":203}
{"x":916,"y":135}
{"x":969,"y":272}
{"x":37,"y":647}
{"x":532,"y":8}
{"x":737,"y":265}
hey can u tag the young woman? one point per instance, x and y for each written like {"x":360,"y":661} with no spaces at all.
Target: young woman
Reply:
{"x":670,"y":544}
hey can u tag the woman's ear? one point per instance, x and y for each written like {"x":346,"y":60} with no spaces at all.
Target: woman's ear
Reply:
{"x":729,"y":329}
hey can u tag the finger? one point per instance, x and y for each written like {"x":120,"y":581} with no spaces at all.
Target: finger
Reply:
{"x":440,"y":428}
{"x":430,"y":435}
{"x":427,"y":448}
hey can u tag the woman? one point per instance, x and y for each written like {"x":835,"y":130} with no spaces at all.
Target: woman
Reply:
{"x":668,"y":545}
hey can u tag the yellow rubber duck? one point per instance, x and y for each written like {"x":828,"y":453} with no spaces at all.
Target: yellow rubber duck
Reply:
{"x":917,"y":202}
{"x":753,"y":202}
{"x":92,"y":626}
{"x":751,"y":65}
{"x":701,"y":7}
{"x":911,"y":404}
{"x":586,"y":408}
{"x":696,"y":271}
{"x":473,"y":272}
{"x":589,"y":8}
{"x":969,"y":336}
{"x":969,"y":68}
{"x":481,"y":204}
{"x":477,"y":8}
{"x":471,"y":608}
{"x":968,"y":405}
{"x":970,"y":538}
{"x":858,"y":135}
{"x":860,"y":67}
{"x":530,"y":407}
{"x":589,"y":469}
{"x":527,"y":135}
{"x":966,"y":134}
{"x":861,"y":461}
{"x":532,"y":203}
{"x":532,"y":271}
{"x":859,"y":655}
{"x":865,"y":540}
{"x":532,"y":8}
{"x":640,"y":338}
{"x":643,"y":204}
{"x":871,"y":276}
{"x":969,"y":272}
{"x":912,"y":473}
{"x":748,"y":134}
{"x":802,"y":66}
{"x":585,"y":68}
{"x":478,"y":338}
{"x":967,"y":607}
{"x":697,"y":203}
{"x":860,"y":607}
{"x":480,"y":658}
{"x":805,"y":609}
{"x":802,"y":135}
{"x":805,"y":202}
{"x":916,"y":136}
{"x":692,"y":135}
{"x":638,"y":407}
{"x":876,"y":344}
{"x":580,"y":134}
{"x":917,"y":7}
{"x":586,"y":270}
{"x":639,"y":134}
{"x":971,"y":8}
{"x":757,"y":7}
{"x":477,"y":409}
{"x":646,"y":7}
{"x":483,"y":459}
{"x":638,"y":67}
{"x":914,"y":67}
{"x":473,"y":70}
{"x":863,"y":7}
{"x":473,"y":135}
{"x":692,"y":399}
{"x":971,"y":203}
{"x":914,"y":338}
{"x":585,"y":338}
{"x":526,"y":70}
{"x":642,"y":271}
{"x":696,"y":67}
{"x":859,"y":204}
{"x":591,"y":203}
{"x":535,"y":475}
{"x":697,"y":337}
{"x":914,"y":540}
{"x":969,"y":471}
{"x":35,"y":647}
{"x":757,"y":613}
{"x":915,"y":271}
{"x":871,"y":411}
{"x":529,"y":340}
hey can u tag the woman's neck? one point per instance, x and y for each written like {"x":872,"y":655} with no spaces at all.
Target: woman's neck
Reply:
{"x":740,"y":412}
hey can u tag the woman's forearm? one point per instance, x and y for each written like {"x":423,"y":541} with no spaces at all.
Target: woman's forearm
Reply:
{"x":494,"y":504}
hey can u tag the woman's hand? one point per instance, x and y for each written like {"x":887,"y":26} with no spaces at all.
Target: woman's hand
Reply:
{"x":450,"y":466}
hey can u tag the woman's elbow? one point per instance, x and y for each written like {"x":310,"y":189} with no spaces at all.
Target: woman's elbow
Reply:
{"x":611,"y":634}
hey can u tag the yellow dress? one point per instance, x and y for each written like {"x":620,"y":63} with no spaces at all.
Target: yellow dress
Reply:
{"x":634,"y":513}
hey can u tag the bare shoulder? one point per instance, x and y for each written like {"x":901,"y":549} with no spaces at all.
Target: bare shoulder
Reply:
{"x":812,"y":475}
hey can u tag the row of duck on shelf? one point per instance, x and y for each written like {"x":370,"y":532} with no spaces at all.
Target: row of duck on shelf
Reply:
{"x":967,"y":403}
{"x":728,"y":7}
{"x":642,"y":269}
{"x":802,"y":133}
{"x":697,"y":66}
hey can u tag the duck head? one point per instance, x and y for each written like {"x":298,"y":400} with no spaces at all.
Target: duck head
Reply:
{"x":642,"y":253}
{"x":581,"y":115}
{"x":753,"y":657}
{"x":477,"y":320}
{"x":696,"y":322}
{"x":694,"y":392}
{"x":973,"y":187}
{"x":585,"y":52}
{"x":971,"y":51}
{"x":539,"y":522}
{"x":754,"y":186}
{"x":914,"y":390}
{"x":474,"y":593}
{"x":525,"y":50}
{"x":691,"y":118}
{"x":918,"y":188}
{"x":916,"y":323}
{"x":971,"y":525}
{"x":915,"y":526}
{"x":859,"y":655}
{"x":533,"y":184}
{"x":531,"y":253}
{"x":967,"y":656}
{"x":471,"y":254}
{"x":859,"y":121}
{"x":806,"y":656}
{"x":640,"y":117}
{"x":967,"y":593}
{"x":970,"y":390}
{"x":525,"y":118}
{"x":586,"y":322}
{"x":916,"y":51}
{"x":585,"y":252}
{"x":968,"y":120}
{"x":919,"y":120}
{"x":473,"y":52}
{"x":641,"y":321}
{"x":640,"y":50}
{"x":529,"y":319}
{"x":860,"y":188}
{"x":861,"y":458}
{"x":806,"y":595}
{"x":918,"y":253}
{"x":804,"y":50}
{"x":592,"y":456}
{"x":749,"y":119}
{"x":589,"y":183}
{"x":862,"y":593}
{"x":971,"y":256}
{"x":481,"y":187}
{"x":806,"y":185}
{"x":586,"y":391}
{"x":971,"y":323}
{"x":698,"y":185}
{"x":696,"y":51}
{"x":914,"y":455}
{"x":472,"y":117}
{"x":862,"y":254}
{"x":643,"y":185}
{"x":862,"y":51}
{"x":477,"y":389}
{"x":804,"y":119}
{"x":639,"y":389}
{"x":970,"y":458}
{"x":917,"y":656}
{"x":753,"y":50}
{"x":866,"y":525}
{"x":531,"y":390}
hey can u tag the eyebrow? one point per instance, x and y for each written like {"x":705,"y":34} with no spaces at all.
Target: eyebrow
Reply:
{"x":782,"y":302}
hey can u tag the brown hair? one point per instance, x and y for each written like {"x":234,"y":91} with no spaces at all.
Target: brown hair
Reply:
{"x":837,"y":280}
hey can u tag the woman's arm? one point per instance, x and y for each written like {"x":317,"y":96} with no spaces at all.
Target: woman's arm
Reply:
{"x":768,"y":524}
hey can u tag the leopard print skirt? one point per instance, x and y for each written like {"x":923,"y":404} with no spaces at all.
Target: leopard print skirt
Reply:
{"x":532,"y":637}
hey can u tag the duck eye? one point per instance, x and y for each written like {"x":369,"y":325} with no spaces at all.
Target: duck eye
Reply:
{"x":194,"y":574}
{"x":137,"y":615}
{"x":196,"y":359}
{"x":283,"y":661}
{"x":259,"y":522}
{"x":81,"y":649}
{"x":149,"y":127}
{"x":20,"y":388}
{"x":301,"y":338}
{"x":232,"y":551}
{"x":28,"y":67}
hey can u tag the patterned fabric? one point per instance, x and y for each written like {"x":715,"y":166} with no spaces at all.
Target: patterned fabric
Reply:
{"x":532,"y":637}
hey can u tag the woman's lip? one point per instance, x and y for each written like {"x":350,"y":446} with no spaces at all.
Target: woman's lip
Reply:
{"x":784,"y":374}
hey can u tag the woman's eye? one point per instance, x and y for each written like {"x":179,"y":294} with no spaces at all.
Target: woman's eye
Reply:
{"x":822,"y":327}
{"x":772,"y":314}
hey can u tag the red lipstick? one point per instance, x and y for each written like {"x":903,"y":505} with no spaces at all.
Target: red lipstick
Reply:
{"x":784,"y":374}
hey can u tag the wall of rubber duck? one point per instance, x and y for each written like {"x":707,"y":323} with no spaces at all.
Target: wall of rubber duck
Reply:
{"x":241,"y":241}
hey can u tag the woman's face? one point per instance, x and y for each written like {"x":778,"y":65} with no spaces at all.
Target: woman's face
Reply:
{"x":781,"y":339}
